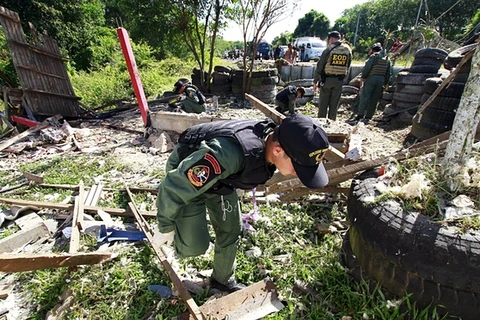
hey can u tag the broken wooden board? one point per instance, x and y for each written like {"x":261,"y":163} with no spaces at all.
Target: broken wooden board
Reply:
{"x":332,"y":155}
{"x":38,"y":261}
{"x":93,"y":195}
{"x":344,"y":170}
{"x":23,"y":237}
{"x":33,"y":177}
{"x":70,"y":207}
{"x":25,"y":133}
{"x":273,"y":114}
{"x":252,"y":302}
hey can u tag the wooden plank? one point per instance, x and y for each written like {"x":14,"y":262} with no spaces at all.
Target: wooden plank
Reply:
{"x":28,"y":262}
{"x":70,"y":207}
{"x":81,"y":206}
{"x":75,"y":236}
{"x":33,"y":177}
{"x":333,"y":154}
{"x":90,"y":193}
{"x":28,"y":221}
{"x":273,"y":114}
{"x":97,"y":195}
{"x":22,"y":135}
{"x":23,"y":237}
{"x":184,"y":294}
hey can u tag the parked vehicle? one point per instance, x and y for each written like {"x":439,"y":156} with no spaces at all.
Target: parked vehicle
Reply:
{"x":314,"y":47}
{"x":283,"y":49}
{"x":263,"y":50}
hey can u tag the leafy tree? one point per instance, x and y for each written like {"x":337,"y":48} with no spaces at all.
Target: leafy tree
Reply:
{"x":199,"y":22}
{"x":74,"y":24}
{"x":283,"y":39}
{"x":255,"y":18}
{"x":148,"y":21}
{"x":312,"y":24}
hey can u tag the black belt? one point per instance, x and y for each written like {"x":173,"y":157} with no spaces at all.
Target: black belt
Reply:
{"x":335,"y":76}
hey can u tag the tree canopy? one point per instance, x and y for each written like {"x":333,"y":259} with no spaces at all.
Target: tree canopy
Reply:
{"x":313,"y":24}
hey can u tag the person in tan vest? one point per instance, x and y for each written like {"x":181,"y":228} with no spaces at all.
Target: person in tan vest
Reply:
{"x":332,"y":68}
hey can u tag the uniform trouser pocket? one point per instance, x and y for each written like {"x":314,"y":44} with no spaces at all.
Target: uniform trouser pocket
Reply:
{"x":191,"y":231}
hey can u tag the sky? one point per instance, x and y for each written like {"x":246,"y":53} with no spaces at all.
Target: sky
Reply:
{"x":333,"y":11}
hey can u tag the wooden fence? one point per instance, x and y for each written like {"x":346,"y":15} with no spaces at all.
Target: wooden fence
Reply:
{"x":47,"y":89}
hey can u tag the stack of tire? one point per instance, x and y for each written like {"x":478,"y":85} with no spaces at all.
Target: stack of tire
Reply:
{"x":439,"y":115}
{"x":409,"y":84}
{"x":196,"y":77}
{"x":263,"y":84}
{"x":408,"y":252}
{"x":221,"y":81}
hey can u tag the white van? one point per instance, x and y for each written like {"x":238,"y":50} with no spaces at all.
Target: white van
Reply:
{"x":314,"y":47}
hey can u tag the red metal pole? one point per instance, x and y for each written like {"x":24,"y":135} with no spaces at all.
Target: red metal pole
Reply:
{"x":134,"y":75}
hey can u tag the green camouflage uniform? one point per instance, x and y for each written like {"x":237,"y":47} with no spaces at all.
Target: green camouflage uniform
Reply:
{"x":190,"y":103}
{"x":376,"y":75}
{"x":183,"y":201}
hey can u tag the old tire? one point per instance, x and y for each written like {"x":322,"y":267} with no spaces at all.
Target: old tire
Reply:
{"x":454,"y":89}
{"x":404,"y":77}
{"x":408,"y":253}
{"x":456,"y":56}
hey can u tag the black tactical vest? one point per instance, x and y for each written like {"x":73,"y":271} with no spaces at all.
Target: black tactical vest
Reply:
{"x":249,"y":135}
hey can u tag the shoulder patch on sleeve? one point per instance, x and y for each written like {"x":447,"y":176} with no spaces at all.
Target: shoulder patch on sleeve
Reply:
{"x":204,"y":171}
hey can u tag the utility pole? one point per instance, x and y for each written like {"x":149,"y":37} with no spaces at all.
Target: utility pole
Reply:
{"x":356,"y":30}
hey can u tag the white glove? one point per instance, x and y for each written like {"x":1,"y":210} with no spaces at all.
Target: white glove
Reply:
{"x":161,"y":239}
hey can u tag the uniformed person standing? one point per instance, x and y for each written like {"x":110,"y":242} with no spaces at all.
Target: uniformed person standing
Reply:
{"x":285,"y":99}
{"x":189,"y":101}
{"x":332,"y":68}
{"x":211,"y":160}
{"x":375,"y":75}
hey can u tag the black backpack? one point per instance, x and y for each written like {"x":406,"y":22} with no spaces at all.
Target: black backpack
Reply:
{"x":200,"y":96}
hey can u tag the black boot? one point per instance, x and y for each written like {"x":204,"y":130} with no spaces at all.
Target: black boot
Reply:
{"x":230,"y":287}
{"x":355,"y":120}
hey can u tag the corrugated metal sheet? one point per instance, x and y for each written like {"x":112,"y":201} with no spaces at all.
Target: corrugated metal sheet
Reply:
{"x":47,"y":89}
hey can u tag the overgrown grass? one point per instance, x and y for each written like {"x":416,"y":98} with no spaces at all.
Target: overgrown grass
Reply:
{"x":304,"y":264}
{"x":113,"y":82}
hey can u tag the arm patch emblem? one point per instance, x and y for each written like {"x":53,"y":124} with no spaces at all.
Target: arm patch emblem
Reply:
{"x":204,"y":171}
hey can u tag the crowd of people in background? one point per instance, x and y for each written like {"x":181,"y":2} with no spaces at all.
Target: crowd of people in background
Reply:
{"x":332,"y":68}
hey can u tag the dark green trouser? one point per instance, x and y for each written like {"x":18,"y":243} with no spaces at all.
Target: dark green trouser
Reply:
{"x":330,"y":94}
{"x":192,"y":237}
{"x":191,"y":106}
{"x":371,"y":93}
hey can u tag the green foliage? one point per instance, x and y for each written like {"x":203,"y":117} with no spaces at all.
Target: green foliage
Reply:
{"x":283,"y":39}
{"x":117,"y":289}
{"x":312,"y":24}
{"x":98,"y":87}
{"x":73,"y":169}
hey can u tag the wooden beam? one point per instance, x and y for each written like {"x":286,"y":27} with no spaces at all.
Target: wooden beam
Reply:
{"x":28,"y":262}
{"x":23,"y":237}
{"x":273,"y":114}
{"x":24,"y":134}
{"x":183,"y":292}
{"x":70,"y":207}
{"x":77,"y":221}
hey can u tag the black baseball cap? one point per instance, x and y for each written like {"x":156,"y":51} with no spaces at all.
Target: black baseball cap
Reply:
{"x":179,"y":84}
{"x":334,"y":34}
{"x":305,"y":142}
